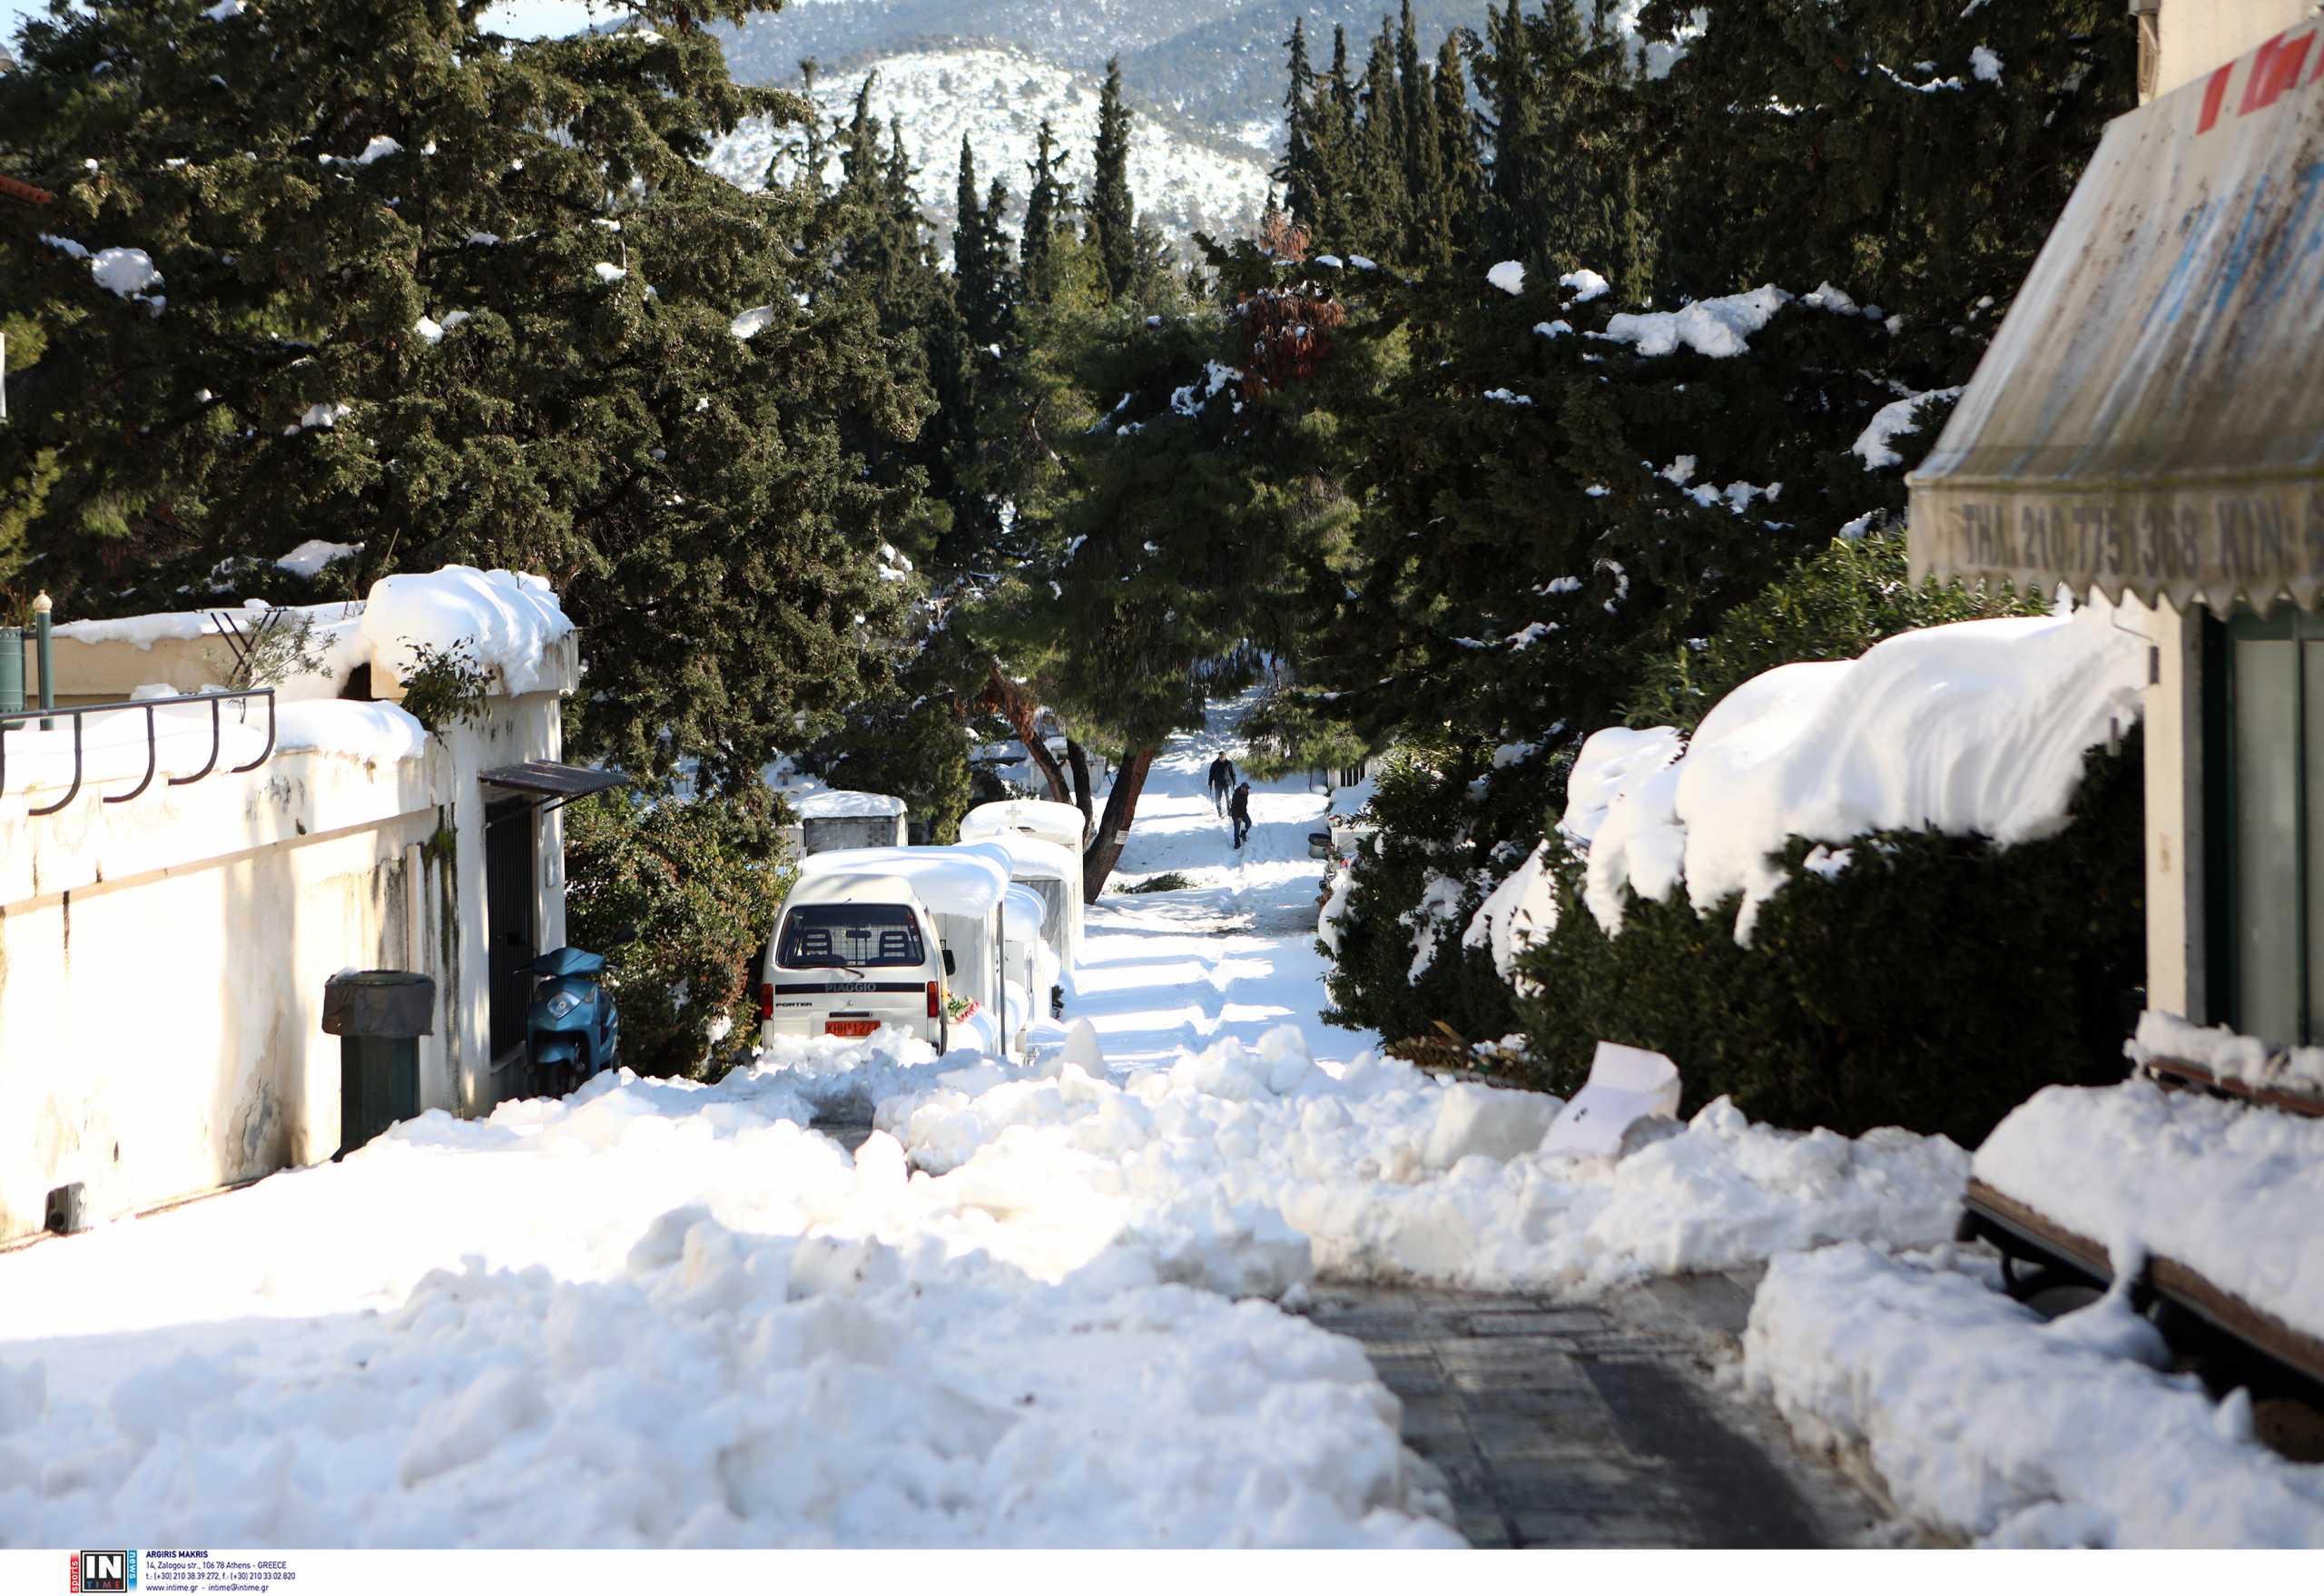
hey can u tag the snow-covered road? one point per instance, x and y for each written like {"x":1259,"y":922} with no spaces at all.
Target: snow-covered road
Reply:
{"x":1233,"y":955}
{"x":1041,"y":1307}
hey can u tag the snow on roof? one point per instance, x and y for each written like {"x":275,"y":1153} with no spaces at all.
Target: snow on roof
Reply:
{"x":374,"y":732}
{"x":509,"y":620}
{"x":1028,"y":857}
{"x":310,"y":557}
{"x":1061,"y":824}
{"x":1976,"y":728}
{"x":143,"y":631}
{"x":840,"y":804}
{"x":867,"y":888}
{"x":950,"y":881}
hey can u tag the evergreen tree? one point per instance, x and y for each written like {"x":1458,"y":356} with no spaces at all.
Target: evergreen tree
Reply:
{"x":1382,"y":210}
{"x":1459,"y":177}
{"x":1112,"y":214}
{"x":456,"y":298}
{"x":1045,"y":206}
{"x":1415,"y":114}
{"x":982,"y":280}
{"x":1335,"y":156}
{"x":1298,"y":172}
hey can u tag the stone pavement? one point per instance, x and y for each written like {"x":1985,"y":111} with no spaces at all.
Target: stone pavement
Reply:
{"x":1598,"y":1426}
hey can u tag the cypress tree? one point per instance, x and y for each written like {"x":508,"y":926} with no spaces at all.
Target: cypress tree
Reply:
{"x":1336,"y":154}
{"x":1298,"y":172}
{"x":1113,"y":226}
{"x":976,"y":272}
{"x":1459,"y":175}
{"x":1382,"y":206}
{"x":1045,"y":207}
{"x":1506,"y":81}
{"x":1416,"y":113}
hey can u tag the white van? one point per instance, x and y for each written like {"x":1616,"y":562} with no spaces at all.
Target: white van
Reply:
{"x":851,"y":953}
{"x":961,"y":891}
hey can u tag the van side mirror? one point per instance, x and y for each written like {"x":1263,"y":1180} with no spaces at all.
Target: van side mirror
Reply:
{"x":950,"y":967}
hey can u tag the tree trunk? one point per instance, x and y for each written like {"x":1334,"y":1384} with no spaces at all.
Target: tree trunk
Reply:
{"x":1098,"y":860}
{"x":1005,"y":698}
{"x":1077,"y":757}
{"x":1045,"y":762}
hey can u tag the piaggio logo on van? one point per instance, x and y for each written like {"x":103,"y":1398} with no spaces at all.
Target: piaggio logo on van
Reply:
{"x":853,"y":985}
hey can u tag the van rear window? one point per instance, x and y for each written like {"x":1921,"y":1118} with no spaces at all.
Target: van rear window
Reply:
{"x":851,"y":936}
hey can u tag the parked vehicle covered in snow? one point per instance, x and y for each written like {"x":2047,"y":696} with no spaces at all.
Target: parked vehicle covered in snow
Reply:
{"x":1052,"y":875}
{"x":1056,"y":878}
{"x":961,"y":891}
{"x":852,"y":953}
{"x":842,"y":819}
{"x":1029,"y":967}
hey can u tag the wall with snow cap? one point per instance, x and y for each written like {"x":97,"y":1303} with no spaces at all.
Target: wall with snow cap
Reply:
{"x":162,"y":959}
{"x":511,"y":621}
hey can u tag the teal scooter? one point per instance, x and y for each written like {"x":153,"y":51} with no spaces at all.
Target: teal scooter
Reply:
{"x":573,"y":1029}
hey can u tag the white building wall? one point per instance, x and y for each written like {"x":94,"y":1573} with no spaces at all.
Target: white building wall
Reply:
{"x":162,"y":960}
{"x":2198,"y":36}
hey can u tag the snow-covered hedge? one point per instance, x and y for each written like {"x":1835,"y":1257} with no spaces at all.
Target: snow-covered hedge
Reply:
{"x":1898,"y":888}
{"x":1933,"y":981}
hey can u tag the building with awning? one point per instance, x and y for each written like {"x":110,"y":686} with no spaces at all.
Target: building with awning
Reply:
{"x":2149,"y":426}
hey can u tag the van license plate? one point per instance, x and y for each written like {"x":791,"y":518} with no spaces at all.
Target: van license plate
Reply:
{"x":850,"y":1027}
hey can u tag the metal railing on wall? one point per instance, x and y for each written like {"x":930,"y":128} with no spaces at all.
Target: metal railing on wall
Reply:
{"x":13,"y":720}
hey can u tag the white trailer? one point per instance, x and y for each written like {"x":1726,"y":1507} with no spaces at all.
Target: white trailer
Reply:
{"x":1058,"y":825}
{"x":842,"y":819}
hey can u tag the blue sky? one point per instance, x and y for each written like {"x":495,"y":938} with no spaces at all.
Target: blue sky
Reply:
{"x":522,"y":17}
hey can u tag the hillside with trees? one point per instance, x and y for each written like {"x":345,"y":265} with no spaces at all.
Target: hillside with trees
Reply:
{"x":1546,"y":371}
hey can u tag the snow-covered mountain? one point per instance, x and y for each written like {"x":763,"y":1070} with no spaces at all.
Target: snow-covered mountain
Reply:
{"x":1184,"y":178}
{"x":1217,"y":64}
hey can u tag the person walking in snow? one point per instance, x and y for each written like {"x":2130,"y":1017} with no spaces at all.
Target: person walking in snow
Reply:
{"x":1222,"y":777}
{"x":1240,"y":807}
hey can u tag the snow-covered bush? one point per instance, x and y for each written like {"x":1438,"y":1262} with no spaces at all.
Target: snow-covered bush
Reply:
{"x":1931,"y":981}
{"x":698,"y":881}
{"x":1452,"y":824}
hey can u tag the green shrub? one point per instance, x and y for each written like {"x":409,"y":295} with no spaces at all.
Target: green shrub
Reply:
{"x":1935,"y":983}
{"x":1834,"y":605}
{"x":1169,"y":881}
{"x":445,"y":685}
{"x":699,"y":883}
{"x":1447,"y":812}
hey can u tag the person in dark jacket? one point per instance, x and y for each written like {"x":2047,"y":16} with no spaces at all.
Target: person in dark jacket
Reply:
{"x":1239,"y":808}
{"x":1222,"y":777}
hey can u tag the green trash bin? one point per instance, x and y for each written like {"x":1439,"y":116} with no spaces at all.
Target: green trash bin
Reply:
{"x":378,"y":1016}
{"x":12,"y":668}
